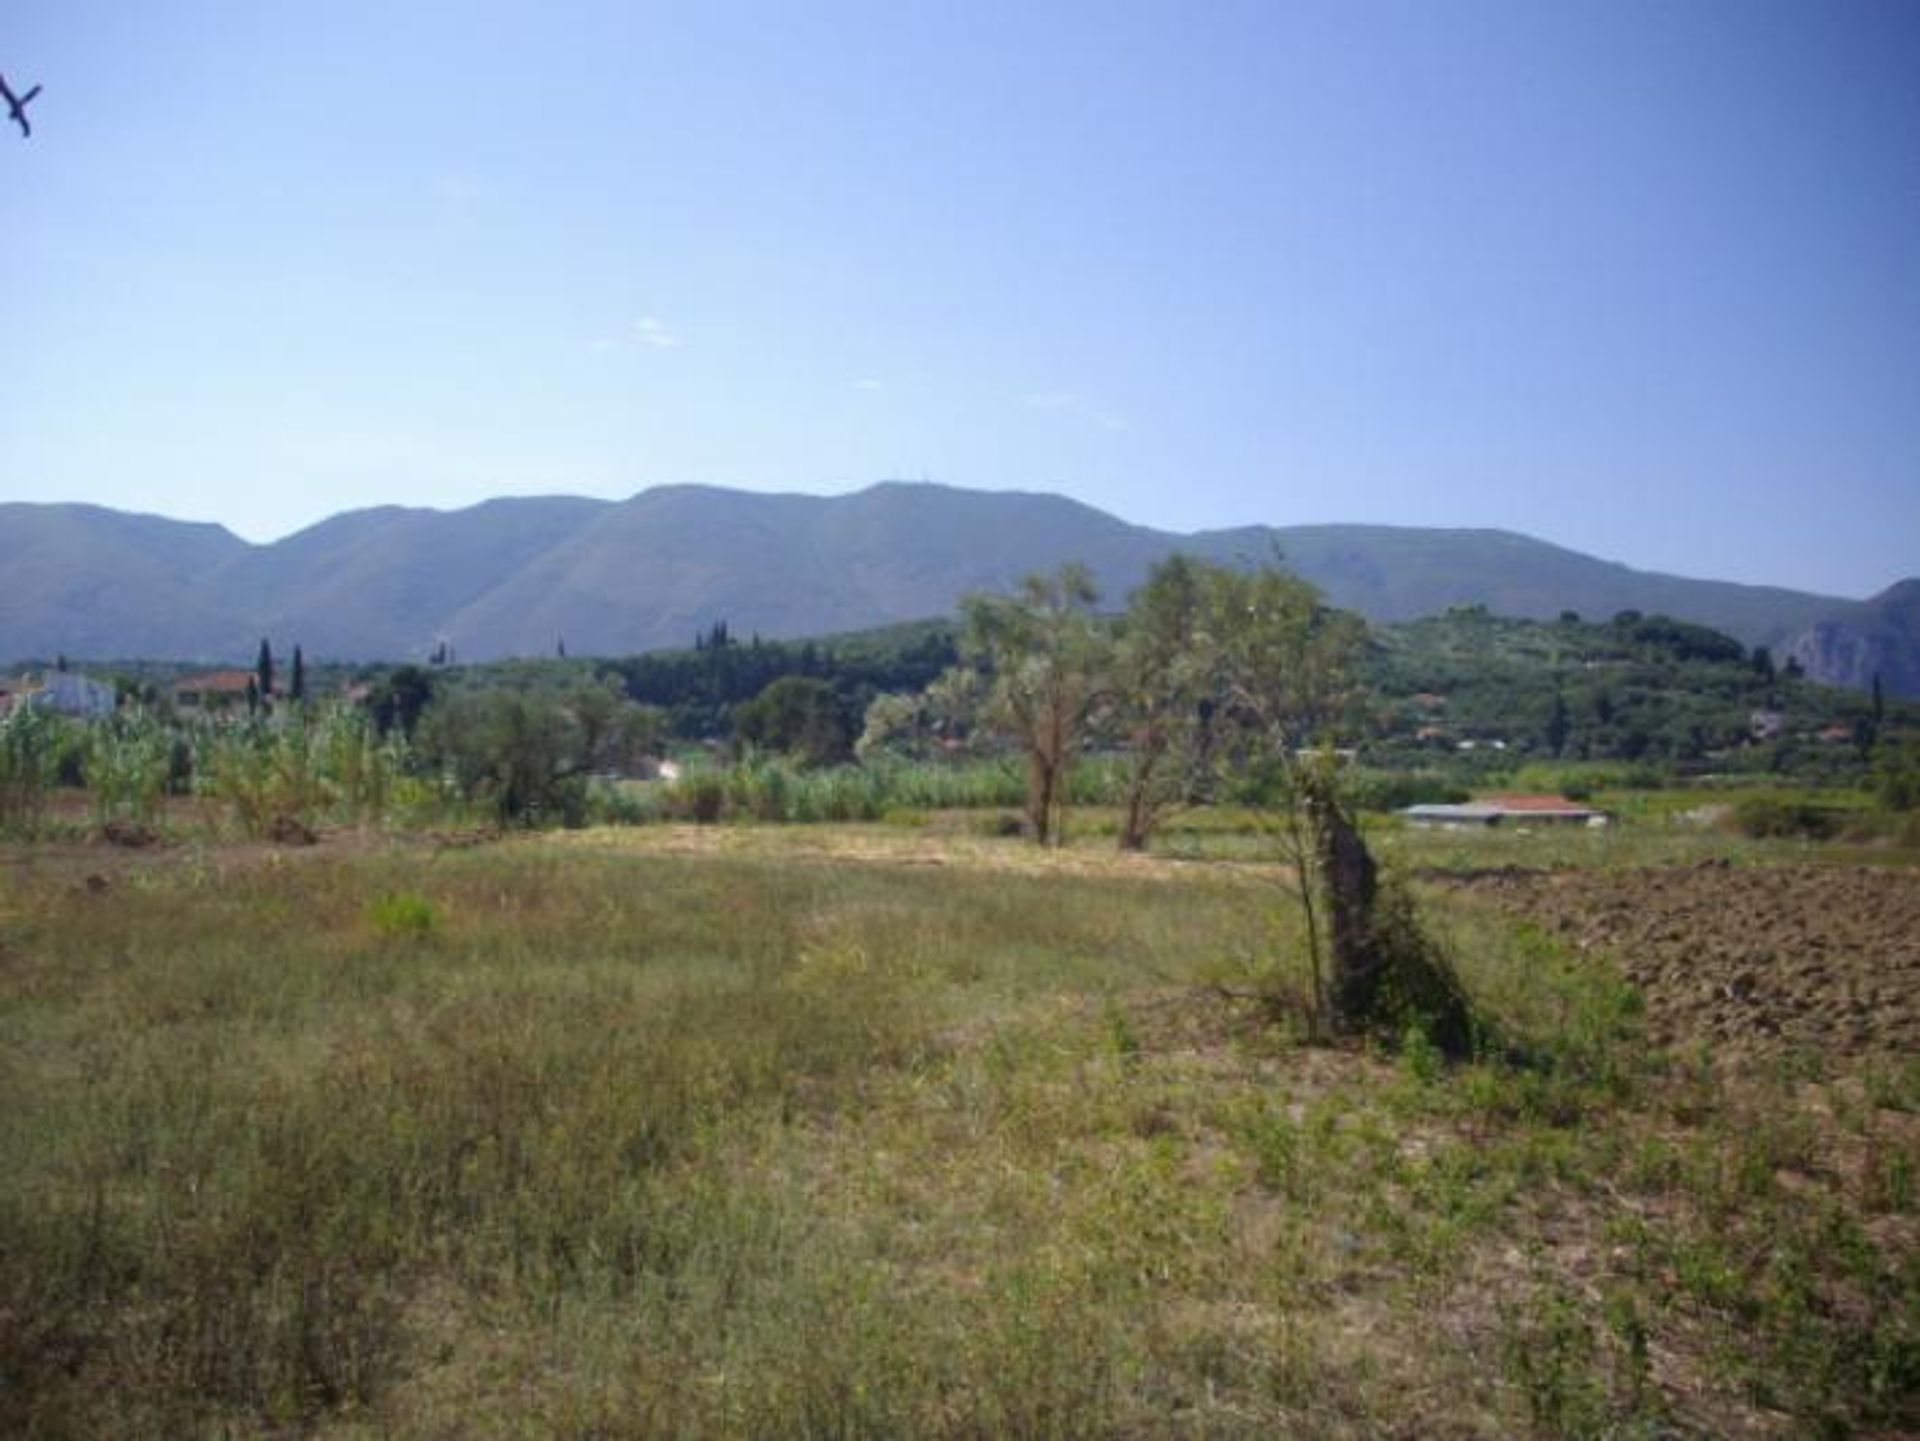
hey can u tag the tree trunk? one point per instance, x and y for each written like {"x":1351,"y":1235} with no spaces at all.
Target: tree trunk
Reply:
{"x":1350,"y":882}
{"x":1386,"y":974}
{"x":1040,"y":784}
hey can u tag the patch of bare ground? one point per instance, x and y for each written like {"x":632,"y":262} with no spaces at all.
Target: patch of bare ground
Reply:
{"x":1747,"y":959}
{"x":892,"y":846}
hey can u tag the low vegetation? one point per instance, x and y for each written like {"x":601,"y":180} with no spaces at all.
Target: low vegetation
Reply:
{"x":607,"y":1134}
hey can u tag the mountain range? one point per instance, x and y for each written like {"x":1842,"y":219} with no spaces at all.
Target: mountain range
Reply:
{"x":522,"y":576}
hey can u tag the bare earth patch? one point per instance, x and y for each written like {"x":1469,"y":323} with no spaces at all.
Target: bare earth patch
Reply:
{"x":1748,"y":958}
{"x":886,"y":845}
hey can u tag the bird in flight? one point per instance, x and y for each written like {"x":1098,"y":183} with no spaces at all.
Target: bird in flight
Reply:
{"x":17,"y":106}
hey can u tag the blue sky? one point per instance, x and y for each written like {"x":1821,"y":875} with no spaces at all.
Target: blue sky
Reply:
{"x":1642,"y":279}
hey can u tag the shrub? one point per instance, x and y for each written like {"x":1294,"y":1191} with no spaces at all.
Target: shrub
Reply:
{"x":128,"y":763}
{"x":700,"y":798}
{"x":32,"y":745}
{"x":1382,"y":790}
{"x":1770,"y":817}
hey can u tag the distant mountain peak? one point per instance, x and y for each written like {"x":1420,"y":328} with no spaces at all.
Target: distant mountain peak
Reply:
{"x":504,"y":576}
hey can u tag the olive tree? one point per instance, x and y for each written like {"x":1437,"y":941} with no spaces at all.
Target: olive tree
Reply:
{"x":1047,"y":658}
{"x":799,"y":716}
{"x":1165,"y":689}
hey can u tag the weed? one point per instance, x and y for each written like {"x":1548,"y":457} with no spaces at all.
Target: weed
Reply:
{"x":403,"y":915}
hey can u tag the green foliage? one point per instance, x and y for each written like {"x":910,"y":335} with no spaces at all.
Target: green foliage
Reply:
{"x":699,"y":689}
{"x":33,"y":745}
{"x":402,"y":915}
{"x":941,"y":721}
{"x":1368,"y":788}
{"x":527,"y":755}
{"x":363,"y":771}
{"x":1896,"y":772}
{"x":1774,"y":817}
{"x":303,"y":766}
{"x":263,"y":674}
{"x":1166,"y":694}
{"x":400,"y":699}
{"x":796,"y":716}
{"x":520,"y":755}
{"x":264,"y":774}
{"x":1047,"y":659}
{"x":764,"y":788}
{"x":1642,"y":689}
{"x":128,"y":763}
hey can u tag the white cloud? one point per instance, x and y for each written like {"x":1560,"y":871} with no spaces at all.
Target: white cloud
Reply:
{"x":653,"y":331}
{"x":869,"y":385}
{"x":649,"y":331}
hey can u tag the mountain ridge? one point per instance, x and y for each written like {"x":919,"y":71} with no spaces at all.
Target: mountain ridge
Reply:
{"x":520,"y":575}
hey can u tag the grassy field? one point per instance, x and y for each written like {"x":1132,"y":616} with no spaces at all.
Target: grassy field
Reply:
{"x":890,"y":1130}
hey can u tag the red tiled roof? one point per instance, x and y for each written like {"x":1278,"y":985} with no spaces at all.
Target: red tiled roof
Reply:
{"x":1532,"y":803}
{"x":234,"y":681}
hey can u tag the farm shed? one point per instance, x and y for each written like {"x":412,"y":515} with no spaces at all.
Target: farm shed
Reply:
{"x":1506,"y":810}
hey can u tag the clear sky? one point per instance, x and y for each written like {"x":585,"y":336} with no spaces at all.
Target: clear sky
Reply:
{"x":1639,"y":278}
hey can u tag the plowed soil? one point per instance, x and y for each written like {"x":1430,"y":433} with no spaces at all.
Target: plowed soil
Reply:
{"x":1747,"y":959}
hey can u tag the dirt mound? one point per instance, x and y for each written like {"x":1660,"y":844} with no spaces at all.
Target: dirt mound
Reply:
{"x":1744,"y":958}
{"x":288,"y":831}
{"x":129,"y":833}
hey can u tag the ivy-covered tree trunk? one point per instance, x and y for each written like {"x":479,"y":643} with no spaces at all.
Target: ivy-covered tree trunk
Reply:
{"x":1350,"y":882}
{"x":1387,"y":975}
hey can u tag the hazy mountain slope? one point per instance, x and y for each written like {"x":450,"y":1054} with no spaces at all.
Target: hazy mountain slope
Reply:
{"x":384,"y":582}
{"x":654,"y":570}
{"x":1852,"y":644}
{"x":648,"y":572}
{"x":1401,"y":572}
{"x":515,"y":577}
{"x":92,"y":581}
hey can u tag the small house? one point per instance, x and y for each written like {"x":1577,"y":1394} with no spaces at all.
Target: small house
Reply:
{"x":213,"y":690}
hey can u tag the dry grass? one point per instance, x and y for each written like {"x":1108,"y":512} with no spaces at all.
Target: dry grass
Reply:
{"x":769,"y":1132}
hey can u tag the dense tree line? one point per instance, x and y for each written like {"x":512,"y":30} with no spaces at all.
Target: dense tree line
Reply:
{"x":698,"y":689}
